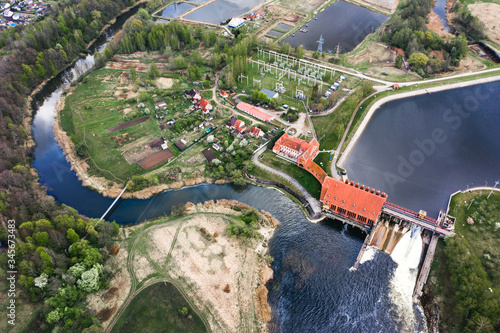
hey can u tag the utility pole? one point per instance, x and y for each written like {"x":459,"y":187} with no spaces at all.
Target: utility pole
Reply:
{"x":496,"y":183}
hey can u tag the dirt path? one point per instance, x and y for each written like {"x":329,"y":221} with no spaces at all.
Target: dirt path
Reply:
{"x":180,"y":242}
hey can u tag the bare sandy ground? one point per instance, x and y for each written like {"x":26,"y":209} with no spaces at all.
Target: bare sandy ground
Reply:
{"x":165,"y":83}
{"x":387,"y":6}
{"x":488,"y":13}
{"x":436,"y":25}
{"x":223,"y":276}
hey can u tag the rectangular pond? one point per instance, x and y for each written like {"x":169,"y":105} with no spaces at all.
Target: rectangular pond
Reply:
{"x":274,"y":33}
{"x":283,"y":26}
{"x":176,"y":10}
{"x":341,"y":23}
{"x":221,"y":10}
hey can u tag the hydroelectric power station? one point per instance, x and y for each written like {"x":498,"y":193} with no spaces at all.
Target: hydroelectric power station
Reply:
{"x":367,"y":208}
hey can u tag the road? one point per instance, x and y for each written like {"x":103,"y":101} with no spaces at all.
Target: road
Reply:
{"x":315,"y":205}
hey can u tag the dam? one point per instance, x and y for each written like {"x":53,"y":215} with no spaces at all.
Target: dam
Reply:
{"x":367,"y":208}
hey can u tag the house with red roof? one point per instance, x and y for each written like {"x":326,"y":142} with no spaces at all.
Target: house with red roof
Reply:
{"x":223,"y":94}
{"x":205,"y":106}
{"x":256,"y":132}
{"x":239,"y":126}
{"x":296,"y":149}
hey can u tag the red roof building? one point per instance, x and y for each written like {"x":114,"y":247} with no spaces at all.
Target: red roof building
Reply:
{"x":256,"y":132}
{"x":296,"y":149}
{"x":223,"y":94}
{"x":205,"y":105}
{"x":239,"y":126}
{"x":354,"y":201}
{"x":253,"y":111}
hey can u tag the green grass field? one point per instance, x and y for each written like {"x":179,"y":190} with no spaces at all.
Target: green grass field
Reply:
{"x":330,"y":128}
{"x":155,"y":309}
{"x":310,"y":183}
{"x":323,"y":160}
{"x":483,"y":241}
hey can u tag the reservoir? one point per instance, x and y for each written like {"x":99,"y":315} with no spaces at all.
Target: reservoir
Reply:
{"x":176,"y":10}
{"x":421,"y":149}
{"x":221,"y":10}
{"x":341,"y":23}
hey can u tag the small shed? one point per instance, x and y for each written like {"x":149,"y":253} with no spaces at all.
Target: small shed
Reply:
{"x":181,"y":145}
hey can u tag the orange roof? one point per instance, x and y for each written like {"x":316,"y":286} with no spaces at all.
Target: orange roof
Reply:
{"x":319,"y":173}
{"x":252,"y":110}
{"x":351,"y":198}
{"x":255,"y":131}
{"x":239,"y":124}
{"x":298,"y":145}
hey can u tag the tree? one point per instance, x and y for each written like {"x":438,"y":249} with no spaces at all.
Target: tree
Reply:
{"x":399,"y":61}
{"x":153,"y":72}
{"x":183,"y":311}
{"x":133,"y":73}
{"x":89,"y":280}
{"x":314,"y":94}
{"x":285,"y":48}
{"x":180,"y":62}
{"x":90,"y":256}
{"x":72,"y":236}
{"x":418,"y":60}
{"x":77,"y":270}
{"x":53,"y":316}
{"x":41,"y":281}
{"x":42,"y":239}
{"x":300,"y":52}
{"x":194,"y":73}
{"x":178,"y":210}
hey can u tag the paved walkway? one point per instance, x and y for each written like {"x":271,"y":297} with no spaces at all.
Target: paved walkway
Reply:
{"x":315,"y":205}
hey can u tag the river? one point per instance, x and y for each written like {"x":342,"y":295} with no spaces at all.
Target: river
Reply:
{"x":313,"y":289}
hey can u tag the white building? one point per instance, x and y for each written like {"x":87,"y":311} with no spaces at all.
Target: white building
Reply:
{"x":236,"y":22}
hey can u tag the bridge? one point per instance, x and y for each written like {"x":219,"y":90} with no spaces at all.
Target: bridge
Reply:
{"x":442,"y":226}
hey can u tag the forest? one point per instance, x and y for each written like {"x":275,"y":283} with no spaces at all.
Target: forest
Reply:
{"x":60,"y":256}
{"x":407,"y":30}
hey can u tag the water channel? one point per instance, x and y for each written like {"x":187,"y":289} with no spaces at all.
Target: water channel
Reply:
{"x":341,"y":23}
{"x":440,"y":10}
{"x":313,"y":289}
{"x":221,"y":10}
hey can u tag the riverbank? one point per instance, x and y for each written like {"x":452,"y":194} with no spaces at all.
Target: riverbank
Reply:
{"x":472,"y":255}
{"x":222,"y":278}
{"x":100,"y":184}
{"x":377,"y":104}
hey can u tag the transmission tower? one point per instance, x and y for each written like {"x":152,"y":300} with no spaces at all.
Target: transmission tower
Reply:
{"x":337,"y":52}
{"x":320,"y":44}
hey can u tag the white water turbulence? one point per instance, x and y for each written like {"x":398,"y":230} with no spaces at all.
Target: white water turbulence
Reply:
{"x":406,"y":255}
{"x":368,"y":255}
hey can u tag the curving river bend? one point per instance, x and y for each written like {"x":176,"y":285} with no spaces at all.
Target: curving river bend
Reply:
{"x":312,"y":290}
